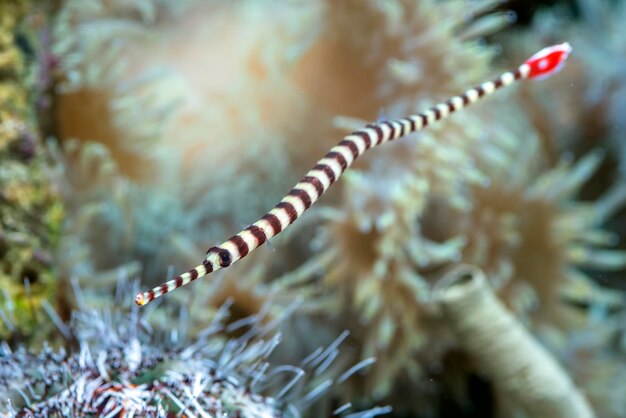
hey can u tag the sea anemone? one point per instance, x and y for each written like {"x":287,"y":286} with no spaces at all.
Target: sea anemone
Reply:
{"x":98,"y":100}
{"x":403,"y":61}
{"x":593,"y":352}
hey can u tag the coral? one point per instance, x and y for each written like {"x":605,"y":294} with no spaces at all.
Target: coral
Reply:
{"x":233,"y":110}
{"x":406,"y":55}
{"x":121,"y":177}
{"x":523,"y":372}
{"x":588,"y":96}
{"x":387,"y":245}
{"x":595,"y":84}
{"x":390,"y":56}
{"x":587,"y":112}
{"x":122,"y":366}
{"x":527,"y":227}
{"x":30,"y":209}
{"x":115,"y":220}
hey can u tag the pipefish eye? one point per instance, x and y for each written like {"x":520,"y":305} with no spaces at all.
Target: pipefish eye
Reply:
{"x":225,"y":258}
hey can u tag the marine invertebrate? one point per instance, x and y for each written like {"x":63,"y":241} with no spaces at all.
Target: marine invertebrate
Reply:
{"x":134,"y":81}
{"x":403,"y":51}
{"x":95,"y":102}
{"x":588,"y":112}
{"x":110,"y":211}
{"x":383,"y":250}
{"x":31,"y":211}
{"x":122,"y":366}
{"x":523,"y":371}
{"x":113,"y":119}
{"x":522,"y":230}
{"x":329,"y":168}
{"x":593,"y":352}
{"x":111,"y":48}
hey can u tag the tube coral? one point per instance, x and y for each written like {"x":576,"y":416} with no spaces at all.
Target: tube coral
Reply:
{"x":521,"y":369}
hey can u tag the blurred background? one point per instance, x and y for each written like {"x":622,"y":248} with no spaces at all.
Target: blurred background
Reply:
{"x":135,"y":134}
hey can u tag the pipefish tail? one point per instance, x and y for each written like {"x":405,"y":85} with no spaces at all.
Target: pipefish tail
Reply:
{"x":328,"y":170}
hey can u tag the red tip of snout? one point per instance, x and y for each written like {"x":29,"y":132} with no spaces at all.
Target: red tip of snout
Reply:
{"x":548,"y":60}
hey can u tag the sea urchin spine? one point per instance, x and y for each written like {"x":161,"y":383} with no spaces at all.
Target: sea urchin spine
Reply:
{"x":339,"y":158}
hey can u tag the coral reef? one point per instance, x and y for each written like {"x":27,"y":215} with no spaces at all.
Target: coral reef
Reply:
{"x":180,"y":122}
{"x":477,"y":190}
{"x":119,"y":365}
{"x":440,"y":209}
{"x":113,"y":220}
{"x":30,"y":209}
{"x":129,"y":42}
{"x":108,"y":162}
{"x":140,"y":129}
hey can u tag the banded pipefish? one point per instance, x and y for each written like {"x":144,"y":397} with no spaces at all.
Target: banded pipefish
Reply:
{"x":328,"y":170}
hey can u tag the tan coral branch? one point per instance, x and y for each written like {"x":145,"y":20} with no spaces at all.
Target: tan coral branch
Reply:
{"x":524,"y":372}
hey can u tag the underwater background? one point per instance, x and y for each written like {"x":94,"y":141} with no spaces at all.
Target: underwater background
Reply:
{"x":473,"y":269}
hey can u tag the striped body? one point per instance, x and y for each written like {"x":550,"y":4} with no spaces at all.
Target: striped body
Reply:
{"x":328,"y":170}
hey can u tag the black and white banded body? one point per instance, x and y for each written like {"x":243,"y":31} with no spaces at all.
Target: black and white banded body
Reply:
{"x":328,"y":170}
